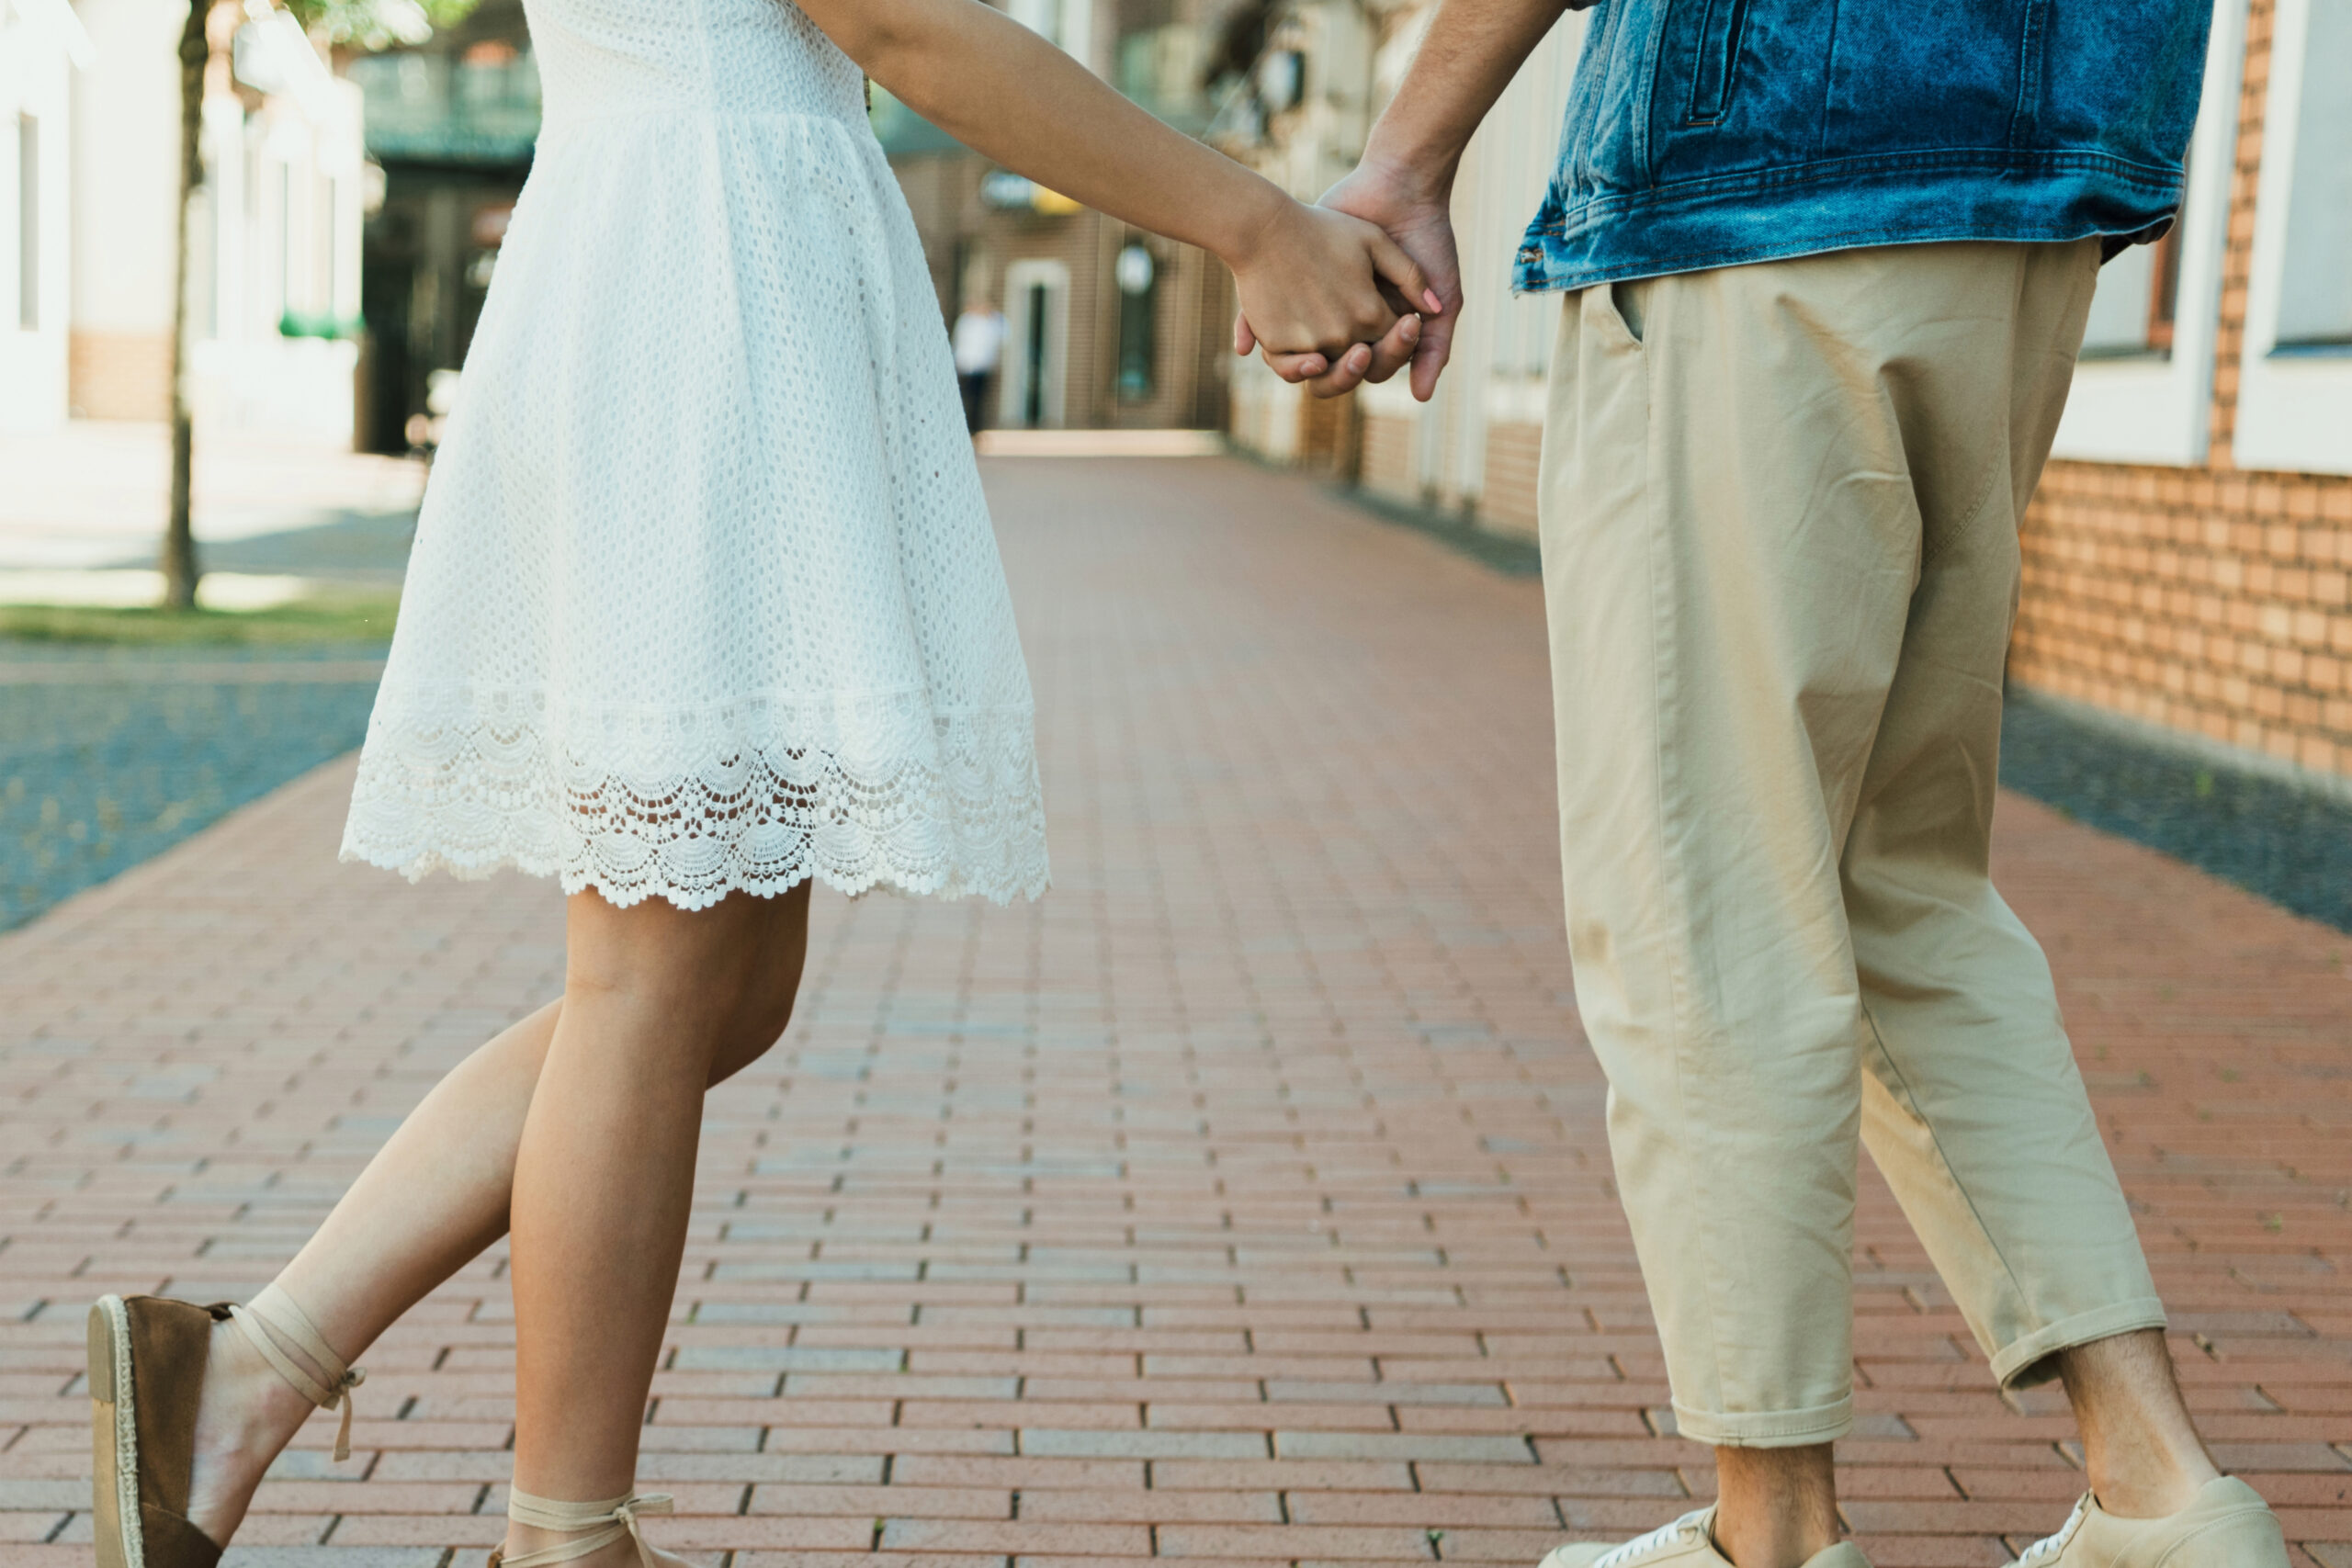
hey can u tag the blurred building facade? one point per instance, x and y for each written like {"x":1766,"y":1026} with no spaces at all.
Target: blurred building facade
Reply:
{"x":90,"y":226}
{"x":40,"y":49}
{"x":1107,"y":326}
{"x":2189,"y":553}
{"x":2188,"y":556}
{"x":350,"y":222}
{"x":450,"y":122}
{"x":1324,"y":70}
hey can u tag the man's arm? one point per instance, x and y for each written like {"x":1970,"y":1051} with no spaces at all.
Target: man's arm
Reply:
{"x":1469,"y":55}
{"x":1405,"y":182}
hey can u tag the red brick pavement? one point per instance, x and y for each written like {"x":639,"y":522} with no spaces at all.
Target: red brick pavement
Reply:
{"x":1246,"y":1198}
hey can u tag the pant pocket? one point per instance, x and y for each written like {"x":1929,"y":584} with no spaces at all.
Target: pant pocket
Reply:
{"x":1619,"y":311}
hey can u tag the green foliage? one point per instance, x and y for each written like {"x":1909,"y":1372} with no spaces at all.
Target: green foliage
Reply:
{"x":377,"y":24}
{"x":353,"y":618}
{"x":307,"y":324}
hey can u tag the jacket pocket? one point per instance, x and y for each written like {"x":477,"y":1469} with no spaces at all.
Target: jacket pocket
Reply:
{"x":1714,"y":60}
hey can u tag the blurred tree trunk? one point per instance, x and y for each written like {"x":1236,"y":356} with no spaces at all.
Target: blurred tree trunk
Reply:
{"x":179,"y":539}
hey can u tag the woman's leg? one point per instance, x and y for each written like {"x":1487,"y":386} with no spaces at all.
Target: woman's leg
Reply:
{"x":437,"y":1194}
{"x":603,"y":1178}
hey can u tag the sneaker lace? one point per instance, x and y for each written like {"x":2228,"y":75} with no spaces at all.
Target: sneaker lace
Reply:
{"x":1689,"y":1527}
{"x":2047,"y":1549}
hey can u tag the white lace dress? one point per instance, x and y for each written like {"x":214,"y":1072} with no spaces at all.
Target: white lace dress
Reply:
{"x":705,"y":594}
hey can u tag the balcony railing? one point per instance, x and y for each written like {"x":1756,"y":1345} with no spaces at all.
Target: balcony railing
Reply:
{"x":481,"y":108}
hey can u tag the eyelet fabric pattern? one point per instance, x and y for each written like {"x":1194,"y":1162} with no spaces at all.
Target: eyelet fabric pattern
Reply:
{"x":705,"y":594}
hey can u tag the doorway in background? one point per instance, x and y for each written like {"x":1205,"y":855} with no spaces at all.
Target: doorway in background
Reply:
{"x":1036,"y":320}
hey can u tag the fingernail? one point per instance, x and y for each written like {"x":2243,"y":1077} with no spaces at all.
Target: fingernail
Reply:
{"x":1428,"y":298}
{"x":1411,"y":327}
{"x":1359,"y":359}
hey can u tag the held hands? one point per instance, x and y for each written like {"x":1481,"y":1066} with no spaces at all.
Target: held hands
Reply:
{"x":1318,"y":285}
{"x":1416,"y":216}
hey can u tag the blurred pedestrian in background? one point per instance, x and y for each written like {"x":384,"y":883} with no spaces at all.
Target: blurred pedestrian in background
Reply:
{"x":979,"y":346}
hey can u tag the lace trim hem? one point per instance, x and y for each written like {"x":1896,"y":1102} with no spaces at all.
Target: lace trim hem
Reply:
{"x":473,"y":797}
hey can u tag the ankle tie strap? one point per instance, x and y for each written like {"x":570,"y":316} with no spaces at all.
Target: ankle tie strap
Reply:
{"x":617,"y":1516}
{"x":272,"y":1312}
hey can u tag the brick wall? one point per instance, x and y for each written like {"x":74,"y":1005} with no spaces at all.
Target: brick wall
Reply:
{"x":1507,"y":500}
{"x":2209,"y":600}
{"x":118,"y":375}
{"x":2204,"y":600}
{"x":1191,"y":333}
{"x":2237,"y":255}
{"x":1385,"y":457}
{"x":1388,"y":465}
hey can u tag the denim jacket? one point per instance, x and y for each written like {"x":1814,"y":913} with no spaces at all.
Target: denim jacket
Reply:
{"x":1708,"y":133}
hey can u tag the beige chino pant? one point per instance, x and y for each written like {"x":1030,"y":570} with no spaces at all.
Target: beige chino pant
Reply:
{"x":1779,"y":525}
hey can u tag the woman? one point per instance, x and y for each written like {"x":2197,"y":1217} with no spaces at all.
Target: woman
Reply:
{"x":704,"y":606}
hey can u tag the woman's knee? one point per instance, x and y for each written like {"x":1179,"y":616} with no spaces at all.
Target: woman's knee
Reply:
{"x":642,"y":959}
{"x":760,"y":1024}
{"x":764,"y":1010}
{"x":725,"y":976}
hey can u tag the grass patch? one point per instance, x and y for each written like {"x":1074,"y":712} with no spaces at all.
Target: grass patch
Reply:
{"x":358,"y":616}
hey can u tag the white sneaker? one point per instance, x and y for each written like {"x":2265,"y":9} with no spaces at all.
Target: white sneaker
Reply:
{"x":2229,"y":1526}
{"x":1688,"y":1542}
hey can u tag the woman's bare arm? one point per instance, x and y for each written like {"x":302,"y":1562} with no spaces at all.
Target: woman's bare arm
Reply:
{"x":1306,"y":276}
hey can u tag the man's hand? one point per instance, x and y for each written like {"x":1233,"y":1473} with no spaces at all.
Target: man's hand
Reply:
{"x":1417,"y":215}
{"x":1314,"y":283}
{"x":1468,"y":56}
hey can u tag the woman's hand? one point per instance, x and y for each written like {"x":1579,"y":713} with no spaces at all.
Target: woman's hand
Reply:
{"x":1416,"y":213}
{"x":1310,"y":281}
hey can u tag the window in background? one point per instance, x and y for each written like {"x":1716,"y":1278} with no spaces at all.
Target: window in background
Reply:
{"x":286,"y":275}
{"x":28,"y":222}
{"x":1138,"y":280}
{"x":331,"y":245}
{"x":2315,"y":279}
{"x":1033,"y":402}
{"x":206,"y":277}
{"x":1039,"y":16}
{"x":2295,"y":409}
{"x":2131,"y":313}
{"x":2144,"y":392}
{"x":1160,"y":68}
{"x":485,"y":73}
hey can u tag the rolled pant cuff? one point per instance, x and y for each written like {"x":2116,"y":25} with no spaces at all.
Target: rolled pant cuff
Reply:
{"x":2021,"y":1362}
{"x":1765,"y":1429}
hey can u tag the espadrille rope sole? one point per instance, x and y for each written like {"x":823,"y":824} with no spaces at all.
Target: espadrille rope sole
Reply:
{"x":114,"y":1438}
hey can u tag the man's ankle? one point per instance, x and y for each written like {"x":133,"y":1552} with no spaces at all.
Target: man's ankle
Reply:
{"x":1775,"y":1507}
{"x":2151,"y":1488}
{"x":1759,"y":1552}
{"x":2141,"y":1450}
{"x":1770,"y":1548}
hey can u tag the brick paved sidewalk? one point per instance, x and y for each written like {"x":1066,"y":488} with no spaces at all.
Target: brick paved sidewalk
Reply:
{"x":1244,"y":1199}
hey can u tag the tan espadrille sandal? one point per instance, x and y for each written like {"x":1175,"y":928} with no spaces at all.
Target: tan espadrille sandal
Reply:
{"x":147,"y":1360}
{"x":608,"y":1520}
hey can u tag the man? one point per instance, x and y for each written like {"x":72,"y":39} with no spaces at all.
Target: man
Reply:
{"x":1825,"y":269}
{"x":978,"y":344}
